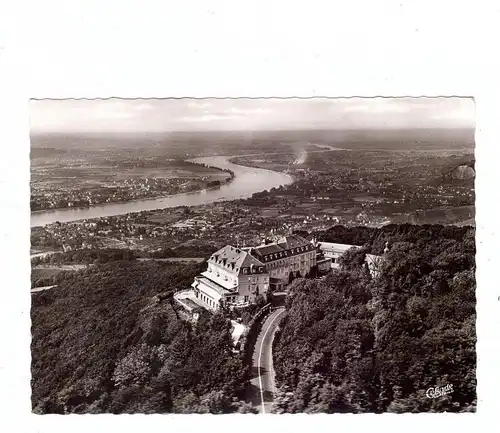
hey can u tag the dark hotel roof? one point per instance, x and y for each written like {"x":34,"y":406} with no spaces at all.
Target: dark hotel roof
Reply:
{"x":268,"y":249}
{"x":286,"y":247}
{"x":293,"y":241}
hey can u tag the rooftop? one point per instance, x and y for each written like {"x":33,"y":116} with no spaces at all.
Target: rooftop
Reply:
{"x":284,"y":244}
{"x":293,"y":241}
{"x":227,"y":285}
{"x":233,"y":259}
{"x":212,"y":284}
{"x":268,"y":249}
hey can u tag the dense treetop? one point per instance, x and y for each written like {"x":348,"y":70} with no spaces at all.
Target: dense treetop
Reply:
{"x":352,"y":343}
{"x":103,"y":342}
{"x":375,"y":238}
{"x":109,"y":338}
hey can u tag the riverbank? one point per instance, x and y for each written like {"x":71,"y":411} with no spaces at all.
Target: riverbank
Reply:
{"x":245,"y":182}
{"x":211,"y":184}
{"x":161,"y":196}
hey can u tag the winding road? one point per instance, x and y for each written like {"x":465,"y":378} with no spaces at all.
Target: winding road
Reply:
{"x":262,"y":384}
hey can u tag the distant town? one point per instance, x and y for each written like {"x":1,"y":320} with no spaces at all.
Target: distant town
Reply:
{"x":442,"y":192}
{"x":59,"y":180}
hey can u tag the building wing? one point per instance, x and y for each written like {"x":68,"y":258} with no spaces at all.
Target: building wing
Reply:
{"x":234,"y":259}
{"x":336,"y":248}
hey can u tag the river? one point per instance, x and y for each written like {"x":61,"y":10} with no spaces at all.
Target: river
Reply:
{"x":247,"y":181}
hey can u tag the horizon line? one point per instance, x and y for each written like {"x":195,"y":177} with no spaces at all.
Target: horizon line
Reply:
{"x":39,"y":132}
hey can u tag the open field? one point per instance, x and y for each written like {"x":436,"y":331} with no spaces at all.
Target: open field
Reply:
{"x":47,"y":271}
{"x":174,"y":259}
{"x":44,"y":272}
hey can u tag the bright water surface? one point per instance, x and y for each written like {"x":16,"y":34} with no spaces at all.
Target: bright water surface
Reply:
{"x":247,"y":181}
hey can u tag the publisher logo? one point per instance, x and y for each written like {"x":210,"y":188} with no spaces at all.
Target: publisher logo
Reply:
{"x":439,"y":391}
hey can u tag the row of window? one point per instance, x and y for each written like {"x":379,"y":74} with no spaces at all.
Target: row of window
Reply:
{"x":284,"y":254}
{"x":282,"y":264}
{"x":207,"y":300}
{"x":253,"y":270}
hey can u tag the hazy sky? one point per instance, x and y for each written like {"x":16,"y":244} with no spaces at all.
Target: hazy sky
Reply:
{"x":149,"y":115}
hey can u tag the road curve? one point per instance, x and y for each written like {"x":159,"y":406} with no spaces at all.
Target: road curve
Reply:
{"x":262,"y":363}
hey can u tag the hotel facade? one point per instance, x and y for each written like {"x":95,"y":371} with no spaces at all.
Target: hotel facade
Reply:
{"x":235,"y":277}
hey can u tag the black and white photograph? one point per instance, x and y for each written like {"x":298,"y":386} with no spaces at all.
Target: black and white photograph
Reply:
{"x":253,"y":255}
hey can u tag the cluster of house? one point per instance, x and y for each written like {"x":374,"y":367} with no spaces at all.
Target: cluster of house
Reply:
{"x":235,"y":277}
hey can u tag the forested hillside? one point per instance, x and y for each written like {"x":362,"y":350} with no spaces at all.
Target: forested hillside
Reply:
{"x":350,"y":343}
{"x":375,"y":238}
{"x":102,"y":341}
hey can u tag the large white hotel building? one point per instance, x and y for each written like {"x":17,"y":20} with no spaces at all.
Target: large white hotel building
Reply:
{"x":236,"y":276}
